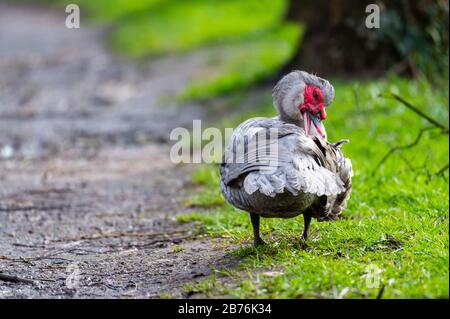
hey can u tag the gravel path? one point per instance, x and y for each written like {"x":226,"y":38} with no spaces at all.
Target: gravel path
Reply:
{"x":88,"y":195}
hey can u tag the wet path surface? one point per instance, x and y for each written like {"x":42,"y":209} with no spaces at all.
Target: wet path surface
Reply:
{"x":88,"y":196}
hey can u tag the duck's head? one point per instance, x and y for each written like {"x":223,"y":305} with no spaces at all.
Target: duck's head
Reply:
{"x":301,"y":98}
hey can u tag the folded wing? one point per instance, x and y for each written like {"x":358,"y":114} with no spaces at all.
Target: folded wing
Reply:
{"x":288,"y":160}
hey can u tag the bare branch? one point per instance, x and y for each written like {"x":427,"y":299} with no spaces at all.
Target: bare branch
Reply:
{"x":442,"y":170}
{"x":416,"y":110}
{"x":122,"y":234}
{"x":15,"y":279}
{"x":398,"y":148}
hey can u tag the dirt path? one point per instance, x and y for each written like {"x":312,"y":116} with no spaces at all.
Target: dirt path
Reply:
{"x":88,"y":195}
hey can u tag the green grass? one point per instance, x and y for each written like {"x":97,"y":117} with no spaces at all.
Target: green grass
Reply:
{"x":396,"y":221}
{"x":238,"y":65}
{"x":177,"y":26}
{"x":206,"y":192}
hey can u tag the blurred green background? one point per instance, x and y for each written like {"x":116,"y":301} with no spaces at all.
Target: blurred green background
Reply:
{"x":247,"y":42}
{"x":397,"y":217}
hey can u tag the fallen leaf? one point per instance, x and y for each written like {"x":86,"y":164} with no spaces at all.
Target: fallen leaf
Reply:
{"x":272,"y":273}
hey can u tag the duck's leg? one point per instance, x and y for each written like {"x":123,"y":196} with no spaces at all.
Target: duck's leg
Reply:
{"x":255,"y":223}
{"x":307,"y":220}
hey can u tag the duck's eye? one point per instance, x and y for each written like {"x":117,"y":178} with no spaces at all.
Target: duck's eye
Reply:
{"x":315,"y":95}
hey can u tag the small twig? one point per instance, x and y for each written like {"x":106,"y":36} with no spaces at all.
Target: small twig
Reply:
{"x":439,"y":173}
{"x":118,"y":235}
{"x":118,"y":273}
{"x":442,"y":170}
{"x":380,"y":292}
{"x":416,"y":110}
{"x":119,"y":248}
{"x":27,"y":261}
{"x":406,"y":161}
{"x":31,"y":260}
{"x":15,"y":279}
{"x":29,"y":246}
{"x":28,"y":208}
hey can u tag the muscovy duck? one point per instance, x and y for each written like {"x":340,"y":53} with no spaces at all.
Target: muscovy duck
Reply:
{"x":284,"y":166}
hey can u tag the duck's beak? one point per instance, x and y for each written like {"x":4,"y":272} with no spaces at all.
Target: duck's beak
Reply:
{"x":317,"y":122}
{"x":306,"y":122}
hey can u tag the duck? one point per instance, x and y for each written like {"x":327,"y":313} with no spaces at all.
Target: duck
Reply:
{"x":284,"y":166}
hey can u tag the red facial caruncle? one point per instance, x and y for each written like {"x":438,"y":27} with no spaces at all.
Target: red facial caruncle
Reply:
{"x":313,"y":109}
{"x":313,"y":101}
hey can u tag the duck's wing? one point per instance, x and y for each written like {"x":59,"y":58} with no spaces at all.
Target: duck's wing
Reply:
{"x":247,"y":152}
{"x":336,"y":204}
{"x":292,"y":161}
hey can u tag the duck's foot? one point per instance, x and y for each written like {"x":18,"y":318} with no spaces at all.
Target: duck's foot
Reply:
{"x":257,"y":242}
{"x":301,"y":244}
{"x":304,"y":237}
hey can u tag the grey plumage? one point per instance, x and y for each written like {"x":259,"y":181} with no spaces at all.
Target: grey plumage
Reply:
{"x":295,"y":173}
